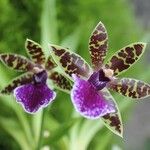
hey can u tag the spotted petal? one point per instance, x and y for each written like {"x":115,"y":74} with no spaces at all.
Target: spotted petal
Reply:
{"x":16,"y":62}
{"x":50,"y":63}
{"x":60,"y":82}
{"x":130,"y":88}
{"x":113,"y":121}
{"x":126,"y":57}
{"x":34,"y":96}
{"x":35,"y":51}
{"x":70,"y":62}
{"x":20,"y":80}
{"x":88,"y":101}
{"x":98,"y":45}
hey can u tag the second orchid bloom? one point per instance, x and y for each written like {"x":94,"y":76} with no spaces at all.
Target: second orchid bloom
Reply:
{"x":90,"y":95}
{"x":31,"y":89}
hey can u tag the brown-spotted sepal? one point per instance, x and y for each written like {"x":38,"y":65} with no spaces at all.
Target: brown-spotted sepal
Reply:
{"x":113,"y":121}
{"x":60,"y":81}
{"x":16,"y":62}
{"x":70,"y":62}
{"x":20,"y":80}
{"x":50,"y":63}
{"x":126,"y":57}
{"x":130,"y":87}
{"x":98,"y":45}
{"x":35,"y":52}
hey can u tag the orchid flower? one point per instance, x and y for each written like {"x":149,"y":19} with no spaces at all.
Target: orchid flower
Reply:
{"x":90,"y":95}
{"x":31,"y":89}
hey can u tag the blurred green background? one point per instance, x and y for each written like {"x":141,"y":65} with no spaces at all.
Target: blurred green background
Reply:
{"x":69,"y":23}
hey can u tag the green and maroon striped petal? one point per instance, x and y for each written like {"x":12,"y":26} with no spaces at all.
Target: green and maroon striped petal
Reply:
{"x":16,"y":62}
{"x":35,"y":51}
{"x":61,"y":82}
{"x":130,"y":88}
{"x":50,"y":64}
{"x":70,"y":62}
{"x":98,"y":45}
{"x":113,"y":121}
{"x":126,"y":57}
{"x":20,"y":80}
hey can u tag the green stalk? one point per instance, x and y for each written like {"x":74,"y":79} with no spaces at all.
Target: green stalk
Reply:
{"x":48,"y":34}
{"x":49,"y":31}
{"x":39,"y":144}
{"x":80,"y":138}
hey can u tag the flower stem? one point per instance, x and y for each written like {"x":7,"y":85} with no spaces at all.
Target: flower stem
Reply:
{"x":39,"y":142}
{"x":49,"y":33}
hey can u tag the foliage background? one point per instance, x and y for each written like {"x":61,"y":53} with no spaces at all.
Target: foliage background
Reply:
{"x":67,"y":23}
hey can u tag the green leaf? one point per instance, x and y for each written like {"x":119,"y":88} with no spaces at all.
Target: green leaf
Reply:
{"x":130,"y":88}
{"x":10,"y":127}
{"x":79,"y":132}
{"x":60,"y":131}
{"x":73,"y":39}
{"x":16,"y":62}
{"x":49,"y":33}
{"x":49,"y":26}
{"x":126,"y":57}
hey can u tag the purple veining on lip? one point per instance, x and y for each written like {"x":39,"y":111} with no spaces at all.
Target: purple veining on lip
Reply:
{"x":88,"y":101}
{"x":98,"y":79}
{"x":34,"y":96}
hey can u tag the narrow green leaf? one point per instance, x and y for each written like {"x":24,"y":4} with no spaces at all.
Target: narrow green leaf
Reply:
{"x":49,"y":33}
{"x":10,"y":127}
{"x":49,"y":29}
{"x":72,"y":40}
{"x":60,"y":132}
{"x":79,"y":139}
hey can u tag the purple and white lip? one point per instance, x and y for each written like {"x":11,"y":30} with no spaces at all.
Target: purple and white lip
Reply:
{"x":87,"y":98}
{"x":36,"y":95}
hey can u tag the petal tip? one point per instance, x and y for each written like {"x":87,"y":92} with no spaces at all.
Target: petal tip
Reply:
{"x":28,"y":41}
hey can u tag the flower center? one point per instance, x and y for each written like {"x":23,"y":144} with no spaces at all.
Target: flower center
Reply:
{"x":40,"y":77}
{"x":37,"y":69}
{"x":101,"y":78}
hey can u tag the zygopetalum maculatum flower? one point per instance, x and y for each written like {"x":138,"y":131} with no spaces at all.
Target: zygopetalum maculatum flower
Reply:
{"x":31,"y":89}
{"x":90,"y":95}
